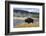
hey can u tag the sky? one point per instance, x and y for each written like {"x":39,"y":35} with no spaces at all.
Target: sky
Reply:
{"x":29,"y":9}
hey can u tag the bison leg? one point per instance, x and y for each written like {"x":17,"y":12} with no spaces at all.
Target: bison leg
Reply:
{"x":32,"y":21}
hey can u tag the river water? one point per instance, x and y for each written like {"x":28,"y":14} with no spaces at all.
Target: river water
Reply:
{"x":15,"y":21}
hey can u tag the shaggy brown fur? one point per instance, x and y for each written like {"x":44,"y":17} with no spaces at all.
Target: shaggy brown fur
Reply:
{"x":29,"y":20}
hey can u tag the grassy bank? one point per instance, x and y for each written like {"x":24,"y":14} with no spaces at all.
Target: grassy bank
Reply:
{"x":27,"y":25}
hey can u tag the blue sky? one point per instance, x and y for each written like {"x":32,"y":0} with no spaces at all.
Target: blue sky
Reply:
{"x":29,"y":9}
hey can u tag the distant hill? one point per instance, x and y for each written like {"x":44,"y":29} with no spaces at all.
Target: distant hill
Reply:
{"x":23,"y":11}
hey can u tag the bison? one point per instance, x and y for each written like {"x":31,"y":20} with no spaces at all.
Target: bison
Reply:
{"x":29,"y":20}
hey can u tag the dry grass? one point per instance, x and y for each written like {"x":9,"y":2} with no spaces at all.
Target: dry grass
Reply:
{"x":27,"y":25}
